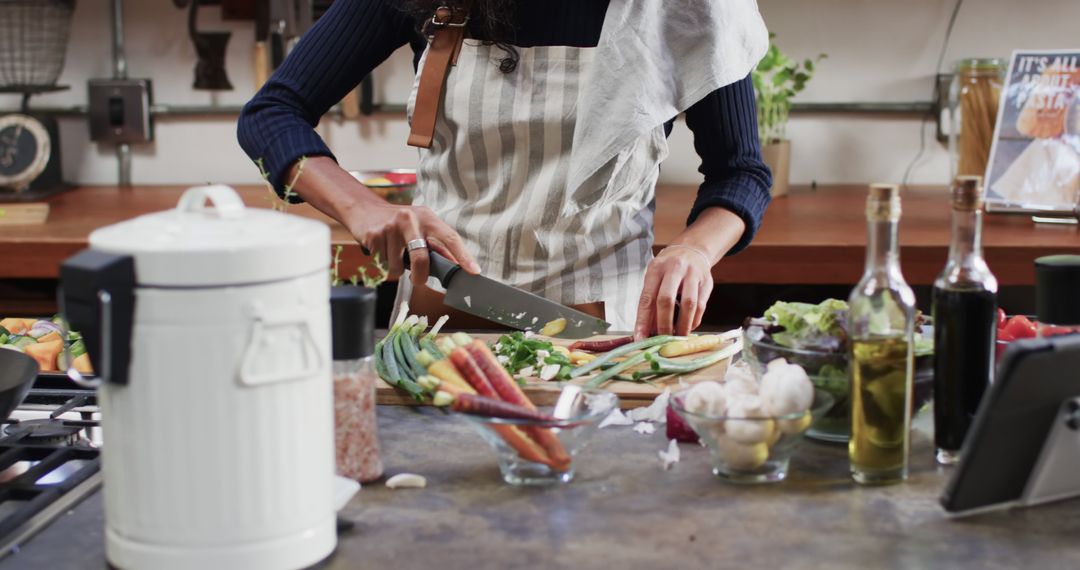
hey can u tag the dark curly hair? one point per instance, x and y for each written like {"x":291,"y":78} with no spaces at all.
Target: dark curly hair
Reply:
{"x":490,"y":21}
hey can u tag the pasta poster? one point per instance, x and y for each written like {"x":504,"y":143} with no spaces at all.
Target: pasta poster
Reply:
{"x":1035,"y":158}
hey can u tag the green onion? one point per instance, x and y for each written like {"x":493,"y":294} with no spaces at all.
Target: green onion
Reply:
{"x":614,"y":371}
{"x":625,"y":349}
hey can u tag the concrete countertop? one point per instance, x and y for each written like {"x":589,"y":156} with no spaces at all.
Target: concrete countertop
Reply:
{"x":624,"y":512}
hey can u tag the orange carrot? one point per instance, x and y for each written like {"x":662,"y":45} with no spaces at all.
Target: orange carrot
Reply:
{"x":45,"y":353}
{"x":525,"y":446}
{"x":510,"y":392}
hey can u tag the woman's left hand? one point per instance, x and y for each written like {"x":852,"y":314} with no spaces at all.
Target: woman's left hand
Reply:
{"x":680,"y":276}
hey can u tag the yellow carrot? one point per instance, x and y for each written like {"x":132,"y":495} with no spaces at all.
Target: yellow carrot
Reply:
{"x":577,"y":357}
{"x":691,"y":345}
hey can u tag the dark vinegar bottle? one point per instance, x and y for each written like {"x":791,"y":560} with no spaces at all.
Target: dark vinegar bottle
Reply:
{"x":964,"y":308}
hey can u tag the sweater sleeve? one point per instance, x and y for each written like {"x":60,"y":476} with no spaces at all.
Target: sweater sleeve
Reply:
{"x":726,"y":138}
{"x":277,"y":127}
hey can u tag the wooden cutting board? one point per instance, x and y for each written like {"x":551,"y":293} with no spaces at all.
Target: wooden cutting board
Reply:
{"x":631,"y":394}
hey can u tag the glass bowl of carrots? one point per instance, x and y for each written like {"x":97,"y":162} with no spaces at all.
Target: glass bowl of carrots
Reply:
{"x":543,"y":449}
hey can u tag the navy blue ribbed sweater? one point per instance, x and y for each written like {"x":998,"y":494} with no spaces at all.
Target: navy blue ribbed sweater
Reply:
{"x":355,"y":36}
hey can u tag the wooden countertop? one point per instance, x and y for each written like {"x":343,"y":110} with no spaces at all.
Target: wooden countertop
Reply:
{"x":809,"y":237}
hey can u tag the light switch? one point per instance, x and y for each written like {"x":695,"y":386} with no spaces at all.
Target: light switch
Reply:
{"x":120,"y":110}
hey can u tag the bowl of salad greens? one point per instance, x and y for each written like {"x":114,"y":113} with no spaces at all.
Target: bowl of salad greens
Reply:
{"x":815,"y":337}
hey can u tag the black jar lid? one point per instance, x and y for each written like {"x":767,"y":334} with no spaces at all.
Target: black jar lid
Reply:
{"x":1057,"y":289}
{"x":352,"y":318}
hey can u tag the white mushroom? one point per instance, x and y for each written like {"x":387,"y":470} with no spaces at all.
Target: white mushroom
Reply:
{"x":740,"y":380}
{"x":706,"y":398}
{"x":748,"y":431}
{"x":786,"y":389}
{"x":739,"y":456}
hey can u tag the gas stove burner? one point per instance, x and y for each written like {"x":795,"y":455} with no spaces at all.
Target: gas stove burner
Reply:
{"x":43,"y":432}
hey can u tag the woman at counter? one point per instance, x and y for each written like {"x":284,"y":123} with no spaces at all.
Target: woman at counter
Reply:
{"x":549,"y":126}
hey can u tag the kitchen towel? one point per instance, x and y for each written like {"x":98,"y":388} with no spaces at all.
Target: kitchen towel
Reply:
{"x":654,"y":60}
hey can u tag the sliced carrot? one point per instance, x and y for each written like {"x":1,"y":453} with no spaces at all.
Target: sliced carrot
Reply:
{"x":14,"y":326}
{"x":82,"y":364}
{"x":45,"y":354}
{"x":50,"y":337}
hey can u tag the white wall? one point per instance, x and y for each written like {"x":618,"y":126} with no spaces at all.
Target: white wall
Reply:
{"x":879,"y":50}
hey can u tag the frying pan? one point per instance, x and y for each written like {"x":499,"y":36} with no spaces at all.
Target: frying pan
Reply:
{"x":17,"y":374}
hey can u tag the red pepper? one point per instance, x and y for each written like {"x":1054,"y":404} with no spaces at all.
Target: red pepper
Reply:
{"x":1002,"y":318}
{"x":1021,"y":327}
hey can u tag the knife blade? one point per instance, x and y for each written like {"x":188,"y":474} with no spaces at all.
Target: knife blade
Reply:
{"x":508,"y":306}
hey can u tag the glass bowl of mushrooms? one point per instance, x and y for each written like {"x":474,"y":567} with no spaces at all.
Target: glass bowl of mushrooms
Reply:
{"x":753,"y":427}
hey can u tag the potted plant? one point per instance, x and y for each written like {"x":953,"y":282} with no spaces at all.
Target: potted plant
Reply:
{"x":777,"y":79}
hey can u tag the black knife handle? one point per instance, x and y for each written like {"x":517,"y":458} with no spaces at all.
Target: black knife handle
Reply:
{"x":439,"y":267}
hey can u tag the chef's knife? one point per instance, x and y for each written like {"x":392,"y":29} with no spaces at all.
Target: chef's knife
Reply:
{"x":506,"y":305}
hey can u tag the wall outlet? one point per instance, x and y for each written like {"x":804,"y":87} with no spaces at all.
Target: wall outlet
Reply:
{"x":120,"y":111}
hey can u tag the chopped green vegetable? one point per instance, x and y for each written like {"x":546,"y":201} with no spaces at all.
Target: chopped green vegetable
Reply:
{"x":516,"y":352}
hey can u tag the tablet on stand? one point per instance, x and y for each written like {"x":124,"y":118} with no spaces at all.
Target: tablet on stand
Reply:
{"x":1024,"y":446}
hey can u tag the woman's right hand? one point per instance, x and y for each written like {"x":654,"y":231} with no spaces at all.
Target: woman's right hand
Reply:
{"x":385,"y":229}
{"x":379,"y":226}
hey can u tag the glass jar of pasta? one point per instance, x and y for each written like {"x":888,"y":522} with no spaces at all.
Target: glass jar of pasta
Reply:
{"x":973,"y":108}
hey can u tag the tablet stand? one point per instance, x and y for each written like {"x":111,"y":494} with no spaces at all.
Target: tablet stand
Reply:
{"x":1055,"y":474}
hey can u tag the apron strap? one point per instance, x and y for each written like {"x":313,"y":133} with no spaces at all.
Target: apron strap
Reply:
{"x":442,"y":53}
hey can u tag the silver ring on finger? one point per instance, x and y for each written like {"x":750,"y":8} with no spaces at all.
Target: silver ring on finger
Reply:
{"x":415,"y":244}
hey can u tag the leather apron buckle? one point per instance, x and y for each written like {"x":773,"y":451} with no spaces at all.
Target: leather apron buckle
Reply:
{"x":447,"y":31}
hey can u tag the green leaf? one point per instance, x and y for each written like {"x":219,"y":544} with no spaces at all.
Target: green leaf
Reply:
{"x":809,"y":65}
{"x":781,"y":77}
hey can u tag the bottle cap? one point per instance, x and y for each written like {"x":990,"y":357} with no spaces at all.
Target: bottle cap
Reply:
{"x":967,"y":193}
{"x":352,"y":318}
{"x":883,"y":202}
{"x":1057,"y":284}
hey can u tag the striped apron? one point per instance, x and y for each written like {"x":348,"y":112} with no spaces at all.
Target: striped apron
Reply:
{"x":496,"y":173}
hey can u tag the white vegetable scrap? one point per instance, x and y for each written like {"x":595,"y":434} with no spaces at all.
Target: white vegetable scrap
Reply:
{"x":527,"y":371}
{"x":503,"y":359}
{"x":786,"y":389}
{"x":468,"y":301}
{"x":645,"y":428}
{"x":655,"y":412}
{"x":548,"y":372}
{"x":706,"y":398}
{"x":406,"y":481}
{"x":616,"y":418}
{"x":669,"y":456}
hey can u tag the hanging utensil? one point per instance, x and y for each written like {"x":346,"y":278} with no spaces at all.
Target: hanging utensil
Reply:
{"x":210,"y":48}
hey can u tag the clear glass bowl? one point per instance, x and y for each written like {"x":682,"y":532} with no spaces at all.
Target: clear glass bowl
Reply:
{"x":763,"y":461}
{"x":829,"y":372}
{"x":578,"y":414}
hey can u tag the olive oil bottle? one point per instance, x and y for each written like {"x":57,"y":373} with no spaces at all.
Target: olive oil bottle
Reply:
{"x":882,"y":326}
